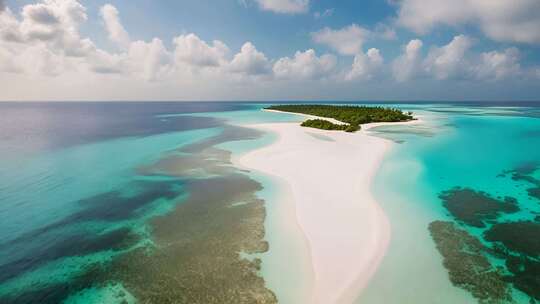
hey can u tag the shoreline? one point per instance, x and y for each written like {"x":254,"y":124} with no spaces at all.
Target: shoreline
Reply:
{"x":329,"y":183}
{"x":363,"y":127}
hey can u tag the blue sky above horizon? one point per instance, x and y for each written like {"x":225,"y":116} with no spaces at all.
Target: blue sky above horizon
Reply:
{"x":270,"y":50}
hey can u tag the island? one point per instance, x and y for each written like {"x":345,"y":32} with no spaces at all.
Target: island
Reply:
{"x":348,"y":118}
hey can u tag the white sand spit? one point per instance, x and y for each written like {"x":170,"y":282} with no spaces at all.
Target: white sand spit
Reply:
{"x":330,"y":181}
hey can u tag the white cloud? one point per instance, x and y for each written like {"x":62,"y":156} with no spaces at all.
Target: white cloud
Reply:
{"x":101,"y":62}
{"x":249,"y":61}
{"x":284,"y":6}
{"x":42,"y":47}
{"x":149,"y":61}
{"x":44,"y":39}
{"x":456,"y":61}
{"x":55,"y":23}
{"x":38,"y":60}
{"x":191,"y":50}
{"x":114,"y":27}
{"x":365,"y":66}
{"x":407,"y":65}
{"x":304,"y":65}
{"x":449,"y":61}
{"x":10,"y":30}
{"x":346,"y":41}
{"x":496,"y":65}
{"x":500,"y":20}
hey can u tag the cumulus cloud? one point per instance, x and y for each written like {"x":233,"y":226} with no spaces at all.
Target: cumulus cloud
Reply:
{"x":346,"y":41}
{"x":249,"y":61}
{"x":284,"y":6}
{"x":502,"y":20}
{"x":192,"y":50}
{"x":305,"y":65}
{"x":407,"y":65}
{"x":497,"y":65}
{"x":449,"y":61}
{"x":101,"y":62}
{"x":10,"y":27}
{"x":46,"y":41}
{"x":55,"y":23}
{"x":45,"y":37}
{"x":365,"y":66}
{"x":455,"y":61}
{"x":149,"y":60}
{"x":42,"y":45}
{"x":114,"y":27}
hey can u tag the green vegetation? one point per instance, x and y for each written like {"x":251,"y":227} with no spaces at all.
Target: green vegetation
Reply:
{"x":354,"y":116}
{"x":326,"y":125}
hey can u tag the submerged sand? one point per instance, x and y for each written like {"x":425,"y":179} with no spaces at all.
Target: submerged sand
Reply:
{"x":329,"y":182}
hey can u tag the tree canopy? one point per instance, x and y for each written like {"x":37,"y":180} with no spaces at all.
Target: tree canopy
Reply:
{"x":354,"y":116}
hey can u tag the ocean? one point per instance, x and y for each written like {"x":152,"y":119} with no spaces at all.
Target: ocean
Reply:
{"x":475,"y":169}
{"x":140,"y":202}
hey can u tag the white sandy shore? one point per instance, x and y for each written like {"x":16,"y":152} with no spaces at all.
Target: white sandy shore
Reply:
{"x":330,"y":174}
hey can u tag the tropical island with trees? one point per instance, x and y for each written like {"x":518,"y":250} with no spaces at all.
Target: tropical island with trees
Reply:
{"x":351,"y":116}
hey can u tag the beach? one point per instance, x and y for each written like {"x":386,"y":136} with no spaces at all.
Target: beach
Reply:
{"x":329,"y":175}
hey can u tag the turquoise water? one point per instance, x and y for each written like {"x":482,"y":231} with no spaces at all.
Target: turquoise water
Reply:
{"x":465,"y":147}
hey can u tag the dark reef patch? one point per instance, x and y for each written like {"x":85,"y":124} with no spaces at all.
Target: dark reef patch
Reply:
{"x":520,"y":237}
{"x":114,"y":206}
{"x":109,"y":206}
{"x":468,"y":268}
{"x":474,"y":208}
{"x":526,"y":275}
{"x":199,"y":244}
{"x":534,"y":192}
{"x":57,"y":292}
{"x":68,"y":246}
{"x":516,"y":244}
{"x":525,"y":173}
{"x":64,"y":239}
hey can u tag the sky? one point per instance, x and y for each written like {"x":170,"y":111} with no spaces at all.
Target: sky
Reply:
{"x":270,"y":50}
